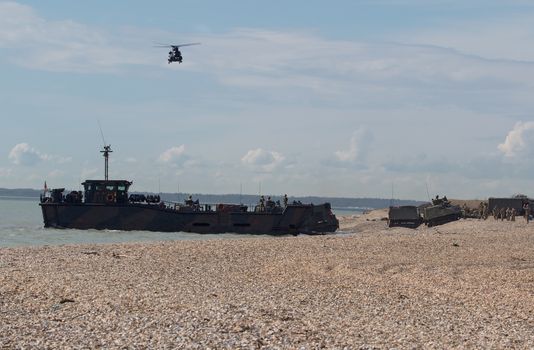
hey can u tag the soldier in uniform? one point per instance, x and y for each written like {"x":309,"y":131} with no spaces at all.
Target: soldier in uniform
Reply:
{"x":502,"y":213}
{"x":486,"y":209}
{"x":495,"y":212}
{"x":513,"y":214}
{"x":526,"y":207}
{"x":270,"y":203}
{"x":285,"y":200}
{"x":508,"y":214}
{"x":465,"y":210}
{"x":262,"y":203}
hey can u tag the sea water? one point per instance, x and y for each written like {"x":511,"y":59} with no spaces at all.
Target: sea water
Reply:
{"x":21,"y":224}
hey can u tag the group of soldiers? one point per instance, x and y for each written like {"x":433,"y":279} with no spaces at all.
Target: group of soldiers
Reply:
{"x":509,"y":214}
{"x":504,"y":213}
{"x":501,"y":213}
{"x":480,"y":213}
{"x":270,"y":204}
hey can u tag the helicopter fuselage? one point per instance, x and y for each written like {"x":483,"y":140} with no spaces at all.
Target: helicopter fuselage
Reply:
{"x":175,"y":56}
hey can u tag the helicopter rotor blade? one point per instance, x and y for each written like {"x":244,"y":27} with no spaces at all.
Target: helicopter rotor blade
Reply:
{"x":186,"y":44}
{"x":161,"y":45}
{"x":174,"y":46}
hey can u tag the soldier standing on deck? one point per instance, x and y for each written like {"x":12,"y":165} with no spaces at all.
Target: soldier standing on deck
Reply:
{"x":285,"y":200}
{"x":262,"y":203}
{"x":270,"y":203}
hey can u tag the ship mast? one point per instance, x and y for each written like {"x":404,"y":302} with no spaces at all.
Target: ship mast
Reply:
{"x":107,"y":150}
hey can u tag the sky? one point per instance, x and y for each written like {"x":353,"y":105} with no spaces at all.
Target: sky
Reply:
{"x":382,"y":98}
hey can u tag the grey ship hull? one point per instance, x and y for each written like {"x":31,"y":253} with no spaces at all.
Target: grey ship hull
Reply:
{"x":299,"y":218}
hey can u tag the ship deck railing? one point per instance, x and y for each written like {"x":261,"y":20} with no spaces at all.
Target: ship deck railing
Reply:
{"x":210,"y":207}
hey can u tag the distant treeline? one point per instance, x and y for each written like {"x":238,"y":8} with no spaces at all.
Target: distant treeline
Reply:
{"x":20,"y":192}
{"x":371,"y":203}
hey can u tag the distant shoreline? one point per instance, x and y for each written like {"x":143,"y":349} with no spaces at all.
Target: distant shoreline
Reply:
{"x":336,"y":202}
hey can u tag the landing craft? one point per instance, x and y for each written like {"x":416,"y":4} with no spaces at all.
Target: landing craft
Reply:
{"x":105,"y":204}
{"x":174,"y":54}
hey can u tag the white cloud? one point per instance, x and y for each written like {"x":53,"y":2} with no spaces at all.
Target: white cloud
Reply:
{"x":358,"y":147}
{"x":262,"y":160}
{"x":174,"y":156}
{"x":336,"y":67}
{"x":519,"y":141}
{"x":507,"y":37}
{"x":286,"y":60}
{"x":24,"y":154}
{"x":62,"y":45}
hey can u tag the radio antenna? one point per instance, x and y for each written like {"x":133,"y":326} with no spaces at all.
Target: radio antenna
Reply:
{"x":392,"y":201}
{"x":101,"y":132}
{"x":106,"y":151}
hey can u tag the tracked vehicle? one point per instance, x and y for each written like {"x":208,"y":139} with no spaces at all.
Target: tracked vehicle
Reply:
{"x":440,"y":212}
{"x":404,"y":216}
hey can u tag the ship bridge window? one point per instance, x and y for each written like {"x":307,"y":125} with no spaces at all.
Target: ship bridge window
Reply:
{"x":121,"y":188}
{"x":110,"y":187}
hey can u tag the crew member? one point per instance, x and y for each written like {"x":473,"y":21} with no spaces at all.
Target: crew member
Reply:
{"x":262,"y":203}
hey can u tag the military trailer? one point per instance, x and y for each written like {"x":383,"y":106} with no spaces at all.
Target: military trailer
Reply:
{"x":512,"y":203}
{"x":404,"y":216}
{"x":440,"y":212}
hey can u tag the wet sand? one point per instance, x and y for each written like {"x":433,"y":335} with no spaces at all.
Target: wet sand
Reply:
{"x":466,"y":284}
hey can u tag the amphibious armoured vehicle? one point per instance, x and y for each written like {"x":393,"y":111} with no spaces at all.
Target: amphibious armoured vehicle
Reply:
{"x":404,"y":216}
{"x":440,"y":212}
{"x":105,"y":204}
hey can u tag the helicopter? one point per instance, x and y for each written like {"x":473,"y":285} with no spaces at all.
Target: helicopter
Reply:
{"x":174,"y":54}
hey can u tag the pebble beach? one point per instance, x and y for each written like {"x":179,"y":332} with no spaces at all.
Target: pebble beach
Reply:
{"x":465,"y":284}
